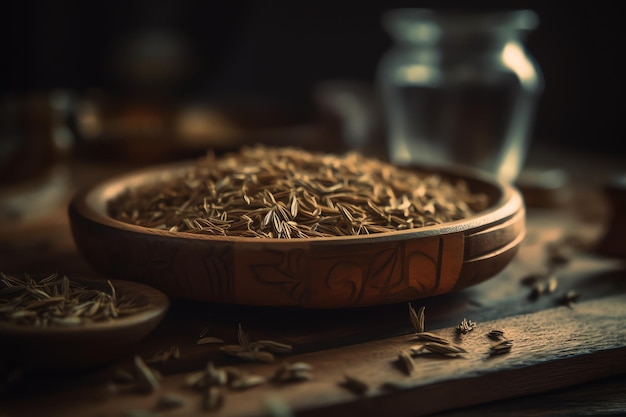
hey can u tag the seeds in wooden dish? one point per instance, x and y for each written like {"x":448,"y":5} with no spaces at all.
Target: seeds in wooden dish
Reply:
{"x":292,"y":193}
{"x":58,"y":301}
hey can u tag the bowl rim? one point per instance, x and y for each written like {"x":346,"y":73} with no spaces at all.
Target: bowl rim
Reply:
{"x":158,"y":305}
{"x":90,"y":203}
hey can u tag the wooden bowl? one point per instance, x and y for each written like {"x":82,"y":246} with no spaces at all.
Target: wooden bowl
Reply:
{"x":321,"y":272}
{"x":88,"y":345}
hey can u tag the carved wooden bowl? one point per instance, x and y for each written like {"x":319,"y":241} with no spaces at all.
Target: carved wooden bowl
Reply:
{"x":320,"y":272}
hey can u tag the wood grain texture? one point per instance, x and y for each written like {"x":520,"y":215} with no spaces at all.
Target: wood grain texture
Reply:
{"x":599,"y":398}
{"x":554,"y":348}
{"x":47,"y":245}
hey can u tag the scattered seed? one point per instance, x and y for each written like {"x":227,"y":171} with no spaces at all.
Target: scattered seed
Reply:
{"x":146,"y":380}
{"x":233,"y":373}
{"x":213,"y":399}
{"x":552,"y":284}
{"x":557,"y":256}
{"x":165,"y":355}
{"x":215,"y":376}
{"x":570,"y":298}
{"x":502,"y":347}
{"x":203,"y":332}
{"x":407,"y":362}
{"x":431,"y":337}
{"x":466,"y":326}
{"x":355,"y":385}
{"x":495,"y":335}
{"x":531,"y":279}
{"x":437,"y":348}
{"x":417,"y":318}
{"x":209,"y":340}
{"x":243,"y":338}
{"x":537,"y":289}
{"x":255,"y":351}
{"x":233,"y":350}
{"x":293,"y":372}
{"x":196,"y":379}
{"x":420,"y":316}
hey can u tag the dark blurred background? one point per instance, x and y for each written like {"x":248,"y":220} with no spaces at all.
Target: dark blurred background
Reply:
{"x":275,"y":54}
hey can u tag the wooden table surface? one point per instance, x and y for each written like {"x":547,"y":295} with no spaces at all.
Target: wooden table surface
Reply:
{"x":564,"y":361}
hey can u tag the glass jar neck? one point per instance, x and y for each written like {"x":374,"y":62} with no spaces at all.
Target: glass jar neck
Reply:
{"x":476,"y":31}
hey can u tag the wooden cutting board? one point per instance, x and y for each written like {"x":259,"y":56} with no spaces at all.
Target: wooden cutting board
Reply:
{"x":554,"y":348}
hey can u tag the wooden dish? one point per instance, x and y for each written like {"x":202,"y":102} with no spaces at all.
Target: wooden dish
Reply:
{"x":88,"y":345}
{"x":325,"y":272}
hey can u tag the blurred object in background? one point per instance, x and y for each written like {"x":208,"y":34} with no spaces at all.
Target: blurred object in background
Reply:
{"x":34,"y":134}
{"x":152,"y":61}
{"x":459,"y":88}
{"x":544,"y":187}
{"x":613,"y":242}
{"x":109,"y":127}
{"x":34,"y":199}
{"x":276,"y":50}
{"x":35,"y":140}
{"x":349,"y":113}
{"x":148,"y":130}
{"x":157,"y":56}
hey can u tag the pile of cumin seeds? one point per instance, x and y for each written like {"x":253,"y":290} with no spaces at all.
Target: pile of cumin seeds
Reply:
{"x":289,"y":192}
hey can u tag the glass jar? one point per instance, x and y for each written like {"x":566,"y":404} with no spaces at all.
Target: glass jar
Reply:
{"x":459,"y":88}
